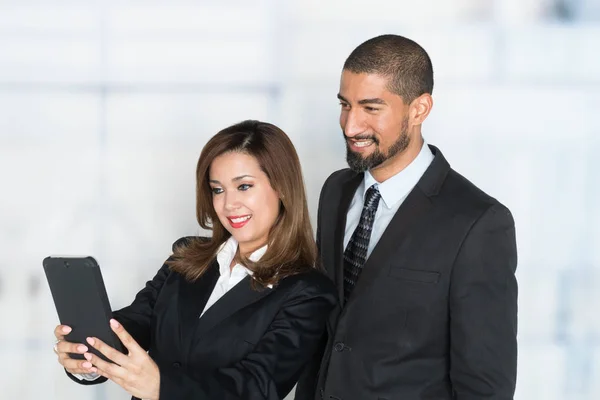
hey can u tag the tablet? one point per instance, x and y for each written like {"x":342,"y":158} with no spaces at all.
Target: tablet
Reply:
{"x":81,"y":302}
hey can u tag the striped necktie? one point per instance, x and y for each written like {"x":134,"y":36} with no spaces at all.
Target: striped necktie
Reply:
{"x":355,"y":254}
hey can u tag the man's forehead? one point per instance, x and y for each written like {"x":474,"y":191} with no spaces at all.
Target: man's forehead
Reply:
{"x":370,"y":77}
{"x":358,"y":86}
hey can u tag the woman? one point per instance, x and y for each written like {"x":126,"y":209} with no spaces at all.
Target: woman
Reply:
{"x":236,"y":315}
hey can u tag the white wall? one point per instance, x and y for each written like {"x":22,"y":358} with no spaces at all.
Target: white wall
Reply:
{"x":105,"y":106}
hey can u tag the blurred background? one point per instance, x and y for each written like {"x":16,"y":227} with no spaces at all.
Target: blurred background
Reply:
{"x":105,"y":106}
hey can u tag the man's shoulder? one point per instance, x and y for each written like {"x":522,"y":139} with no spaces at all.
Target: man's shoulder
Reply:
{"x":463,"y":196}
{"x":340,"y":177}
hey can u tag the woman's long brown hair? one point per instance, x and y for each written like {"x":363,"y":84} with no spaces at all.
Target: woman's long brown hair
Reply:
{"x":291,"y":246}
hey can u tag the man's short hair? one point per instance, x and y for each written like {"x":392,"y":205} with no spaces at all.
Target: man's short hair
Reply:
{"x":403,"y":61}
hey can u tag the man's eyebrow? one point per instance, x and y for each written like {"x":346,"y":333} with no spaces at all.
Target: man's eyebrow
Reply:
{"x":340,"y":97}
{"x":375,"y":100}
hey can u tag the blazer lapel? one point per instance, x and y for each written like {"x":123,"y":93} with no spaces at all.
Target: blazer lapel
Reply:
{"x":415,"y":206}
{"x":348,"y":191}
{"x":193,"y":297}
{"x":412,"y":211}
{"x":240,"y":296}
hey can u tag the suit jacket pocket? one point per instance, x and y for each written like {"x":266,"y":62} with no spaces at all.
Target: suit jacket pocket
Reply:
{"x":415,"y":275}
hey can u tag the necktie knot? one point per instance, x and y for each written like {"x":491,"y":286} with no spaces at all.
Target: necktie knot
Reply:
{"x":372,"y":198}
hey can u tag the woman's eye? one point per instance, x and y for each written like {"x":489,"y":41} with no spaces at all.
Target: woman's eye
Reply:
{"x":244,"y":187}
{"x":217,"y":190}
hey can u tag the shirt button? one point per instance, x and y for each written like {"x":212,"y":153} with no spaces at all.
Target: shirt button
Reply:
{"x":176,"y":365}
{"x":339,"y":346}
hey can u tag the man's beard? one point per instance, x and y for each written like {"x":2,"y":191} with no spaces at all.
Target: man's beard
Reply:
{"x":358,"y":163}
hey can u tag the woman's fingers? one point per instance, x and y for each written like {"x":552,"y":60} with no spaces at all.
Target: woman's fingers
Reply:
{"x":62,"y":349}
{"x":60,"y":331}
{"x":76,"y":366}
{"x":110,"y":353}
{"x":68,"y":347}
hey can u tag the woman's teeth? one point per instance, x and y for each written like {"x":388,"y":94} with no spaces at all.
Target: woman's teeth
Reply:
{"x":241,"y":219}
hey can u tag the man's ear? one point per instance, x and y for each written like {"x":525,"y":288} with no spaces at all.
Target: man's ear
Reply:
{"x":420,"y":109}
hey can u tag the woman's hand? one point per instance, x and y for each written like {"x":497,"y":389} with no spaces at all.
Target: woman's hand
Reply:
{"x":136,"y":372}
{"x":62,"y":348}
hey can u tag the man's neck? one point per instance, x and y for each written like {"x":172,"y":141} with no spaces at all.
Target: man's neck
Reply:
{"x":396,"y":164}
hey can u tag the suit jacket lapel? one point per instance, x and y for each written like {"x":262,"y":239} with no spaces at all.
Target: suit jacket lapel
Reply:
{"x":414,"y":208}
{"x":412,"y":211}
{"x":194,"y":295}
{"x":240,"y":296}
{"x":348,"y":191}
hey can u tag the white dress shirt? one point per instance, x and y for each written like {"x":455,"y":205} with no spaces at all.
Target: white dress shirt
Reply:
{"x":230,"y":276}
{"x":393,"y":192}
{"x":228,"y":279}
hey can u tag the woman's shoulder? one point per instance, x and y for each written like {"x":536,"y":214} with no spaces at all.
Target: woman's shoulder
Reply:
{"x":187,"y":240}
{"x":309,"y":282}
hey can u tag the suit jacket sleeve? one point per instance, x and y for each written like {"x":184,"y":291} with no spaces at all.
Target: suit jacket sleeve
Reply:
{"x":307,"y":385}
{"x":273,"y":366}
{"x":136,"y":318}
{"x":483,"y":310}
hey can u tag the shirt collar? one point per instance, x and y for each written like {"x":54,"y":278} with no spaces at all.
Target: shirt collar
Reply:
{"x":227,"y":252}
{"x":399,"y":186}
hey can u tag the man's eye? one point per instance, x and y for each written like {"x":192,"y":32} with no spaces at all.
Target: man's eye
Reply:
{"x":370,"y":109}
{"x":344,"y":105}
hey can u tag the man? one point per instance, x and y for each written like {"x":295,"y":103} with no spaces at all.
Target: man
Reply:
{"x":423,"y":260}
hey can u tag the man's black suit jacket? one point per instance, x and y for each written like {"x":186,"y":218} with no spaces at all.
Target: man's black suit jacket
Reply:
{"x":434,"y":312}
{"x":249,"y":345}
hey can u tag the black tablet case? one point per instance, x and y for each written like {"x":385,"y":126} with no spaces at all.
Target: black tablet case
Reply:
{"x":81,"y":301}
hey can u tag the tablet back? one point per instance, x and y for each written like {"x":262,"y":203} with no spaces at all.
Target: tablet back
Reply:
{"x":80,"y":298}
